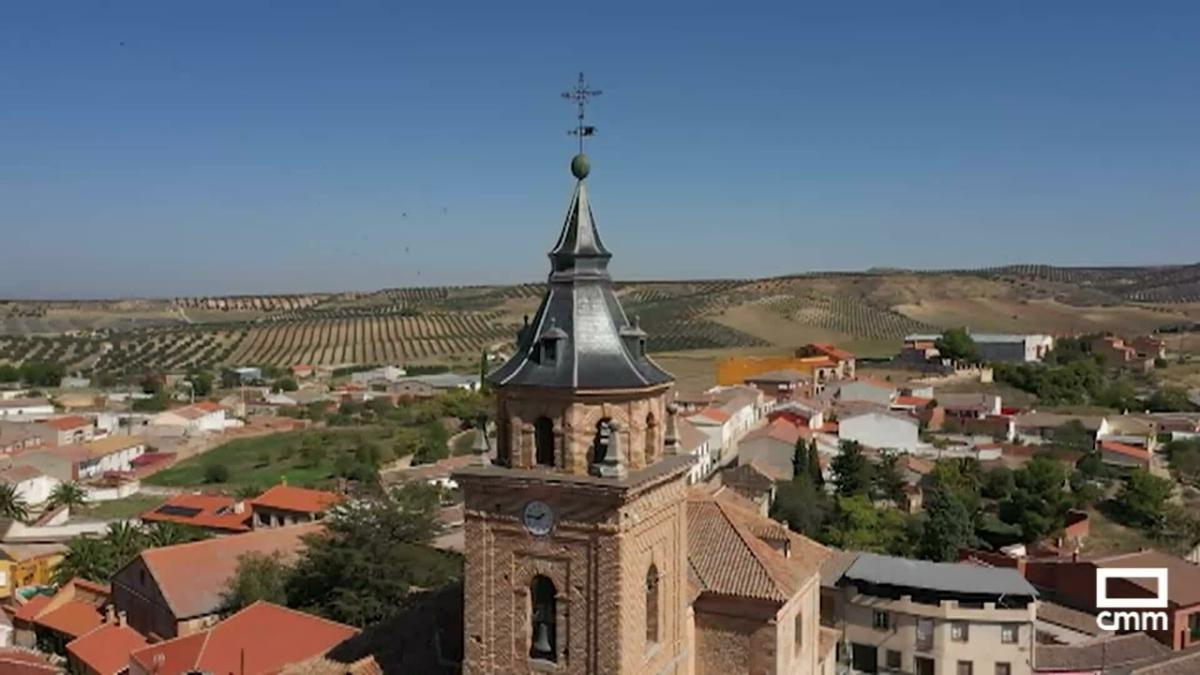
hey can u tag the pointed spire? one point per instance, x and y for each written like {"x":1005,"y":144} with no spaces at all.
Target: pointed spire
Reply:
{"x":579,"y":251}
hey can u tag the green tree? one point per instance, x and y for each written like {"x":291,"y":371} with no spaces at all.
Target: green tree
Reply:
{"x":258,"y":577}
{"x":800,"y":457}
{"x":1142,"y":501}
{"x":285,"y":384}
{"x":87,"y":558}
{"x":170,"y":534}
{"x":1073,"y":436}
{"x":998,"y":483}
{"x":9,"y":374}
{"x":71,"y":495}
{"x":887,"y":482}
{"x":202,"y":383}
{"x":1184,"y":458}
{"x":372,"y":557}
{"x":216,"y":473}
{"x":855,"y":524}
{"x":950,"y":527}
{"x":1038,"y":504}
{"x":958,"y":345}
{"x":12,"y":505}
{"x":814,"y":466}
{"x":125,"y":541}
{"x":959,"y":477}
{"x":1169,"y":399}
{"x":801,"y":505}
{"x":851,"y":470}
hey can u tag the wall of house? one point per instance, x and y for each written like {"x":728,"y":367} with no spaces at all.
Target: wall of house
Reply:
{"x":863,"y":391}
{"x":265,"y":517}
{"x":983,"y":647}
{"x":771,"y":452}
{"x":135,"y":592}
{"x":37,"y":490}
{"x":878,"y":430}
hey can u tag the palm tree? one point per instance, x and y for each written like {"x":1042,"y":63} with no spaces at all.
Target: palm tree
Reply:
{"x":125,"y":541}
{"x":70,"y":495}
{"x":169,"y":534}
{"x":12,"y":504}
{"x":87,"y":558}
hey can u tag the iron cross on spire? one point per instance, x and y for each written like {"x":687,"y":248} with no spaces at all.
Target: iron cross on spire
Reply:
{"x":580,"y":94}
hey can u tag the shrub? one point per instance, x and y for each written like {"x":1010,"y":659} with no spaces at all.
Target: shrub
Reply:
{"x":216,"y":473}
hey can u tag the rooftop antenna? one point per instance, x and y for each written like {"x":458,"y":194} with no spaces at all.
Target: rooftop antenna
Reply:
{"x":580,"y":94}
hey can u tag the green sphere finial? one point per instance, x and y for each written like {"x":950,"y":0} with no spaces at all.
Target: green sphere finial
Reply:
{"x":580,"y":167}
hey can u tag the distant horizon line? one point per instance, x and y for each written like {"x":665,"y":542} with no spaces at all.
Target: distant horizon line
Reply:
{"x":877,"y":270}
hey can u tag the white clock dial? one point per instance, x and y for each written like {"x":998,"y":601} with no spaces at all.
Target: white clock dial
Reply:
{"x":538,"y":518}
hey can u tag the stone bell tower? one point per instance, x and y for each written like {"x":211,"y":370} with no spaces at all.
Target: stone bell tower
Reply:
{"x":576,"y":535}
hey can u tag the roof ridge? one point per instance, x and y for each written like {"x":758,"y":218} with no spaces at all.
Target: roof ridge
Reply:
{"x":297,"y":612}
{"x":204,"y":645}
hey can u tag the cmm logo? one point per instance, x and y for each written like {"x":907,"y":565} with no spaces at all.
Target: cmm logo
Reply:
{"x":1137,"y":615}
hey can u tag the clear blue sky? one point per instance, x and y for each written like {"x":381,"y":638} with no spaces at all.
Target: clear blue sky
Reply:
{"x":161,"y":148}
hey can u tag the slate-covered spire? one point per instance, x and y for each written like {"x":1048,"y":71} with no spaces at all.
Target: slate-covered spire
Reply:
{"x":580,"y":337}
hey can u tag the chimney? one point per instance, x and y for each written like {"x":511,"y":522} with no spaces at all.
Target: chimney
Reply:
{"x":110,"y":614}
{"x":239,"y":507}
{"x":121,"y":618}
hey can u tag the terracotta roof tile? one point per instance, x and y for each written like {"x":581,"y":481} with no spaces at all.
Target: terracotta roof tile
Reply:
{"x":288,"y":498}
{"x":106,"y":649}
{"x":72,"y":618}
{"x":30,"y":609}
{"x":263,"y":636}
{"x":729,"y":558}
{"x":67,"y":423}
{"x":192,"y":576}
{"x":1140,"y":454}
{"x":216,"y":512}
{"x":1109,"y":652}
{"x":15,"y":661}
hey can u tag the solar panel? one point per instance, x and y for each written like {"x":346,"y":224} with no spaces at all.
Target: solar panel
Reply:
{"x":173,"y":510}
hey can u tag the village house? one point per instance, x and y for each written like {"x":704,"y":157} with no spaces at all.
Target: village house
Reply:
{"x":843,"y":361}
{"x":74,"y":610}
{"x":25,"y":409}
{"x":301,"y":397}
{"x":16,"y":437}
{"x":993,"y":347}
{"x":781,"y":385}
{"x":30,"y":484}
{"x":218,"y":514}
{"x":696,"y":443}
{"x":863,"y":390}
{"x":68,"y":430}
{"x":771,"y":448}
{"x":202,"y":417}
{"x":180,"y":590}
{"x":927,"y":618}
{"x":25,"y":565}
{"x":1114,"y":353}
{"x":86,"y":460}
{"x":801,"y":412}
{"x":752,"y":484}
{"x":1036,"y":428}
{"x":377,"y":376}
{"x":444,"y":381}
{"x":969,"y":405}
{"x":105,"y":649}
{"x":284,"y":505}
{"x":1124,"y":654}
{"x":301,"y":371}
{"x":260,"y":639}
{"x":879,"y":428}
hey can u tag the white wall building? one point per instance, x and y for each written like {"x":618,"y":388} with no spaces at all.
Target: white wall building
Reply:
{"x":25,"y":409}
{"x":880,"y":429}
{"x":30,"y":484}
{"x":868,"y":391}
{"x":197,"y":418}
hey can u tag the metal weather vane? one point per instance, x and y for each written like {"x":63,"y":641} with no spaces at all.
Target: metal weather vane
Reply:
{"x":580,"y":94}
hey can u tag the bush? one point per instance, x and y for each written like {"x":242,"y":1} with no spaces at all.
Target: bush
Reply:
{"x":216,"y":473}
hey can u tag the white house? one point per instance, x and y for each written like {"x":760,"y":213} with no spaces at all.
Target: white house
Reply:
{"x":87,"y":460}
{"x":25,"y":409}
{"x":445,"y":381}
{"x":696,"y":443}
{"x":205,"y":416}
{"x":380,"y":374}
{"x":865,"y":390}
{"x":30,"y":484}
{"x":880,"y":429}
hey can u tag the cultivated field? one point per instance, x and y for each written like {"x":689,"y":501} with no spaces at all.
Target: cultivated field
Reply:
{"x":690,"y":322}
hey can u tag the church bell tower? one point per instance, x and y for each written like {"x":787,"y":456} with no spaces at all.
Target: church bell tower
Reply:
{"x":576,"y":533}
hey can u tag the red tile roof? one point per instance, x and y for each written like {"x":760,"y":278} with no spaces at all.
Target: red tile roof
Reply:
{"x":714,"y":414}
{"x":31,"y":608}
{"x":915,"y":401}
{"x":106,"y":649}
{"x":781,"y":430}
{"x":1140,"y":454}
{"x":832,"y":351}
{"x":15,"y":661}
{"x":207,"y":406}
{"x":71,"y":618}
{"x":192,"y":576}
{"x":214,"y":512}
{"x":264,"y":637}
{"x":67,"y":423}
{"x":288,"y":498}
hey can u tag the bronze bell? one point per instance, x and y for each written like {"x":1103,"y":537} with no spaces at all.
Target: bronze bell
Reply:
{"x":541,"y":640}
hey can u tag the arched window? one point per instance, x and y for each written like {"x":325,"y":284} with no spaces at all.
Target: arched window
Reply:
{"x":605,"y":435}
{"x":543,"y":614}
{"x":543,"y":441}
{"x":651,"y":450}
{"x":652,"y":604}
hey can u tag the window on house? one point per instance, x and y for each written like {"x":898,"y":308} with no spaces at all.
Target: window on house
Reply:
{"x":799,"y":630}
{"x":550,"y":350}
{"x":1010,"y":634}
{"x":1194,"y":625}
{"x":543,"y":441}
{"x":966,"y":668}
{"x":925,"y":634}
{"x":959,"y":631}
{"x":1003,"y":669}
{"x":543,"y":619}
{"x":652,"y":604}
{"x":893,"y":659}
{"x":881,"y":620}
{"x":924,"y":665}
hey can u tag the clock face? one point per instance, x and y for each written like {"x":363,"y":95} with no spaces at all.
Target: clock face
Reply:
{"x":538,"y":518}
